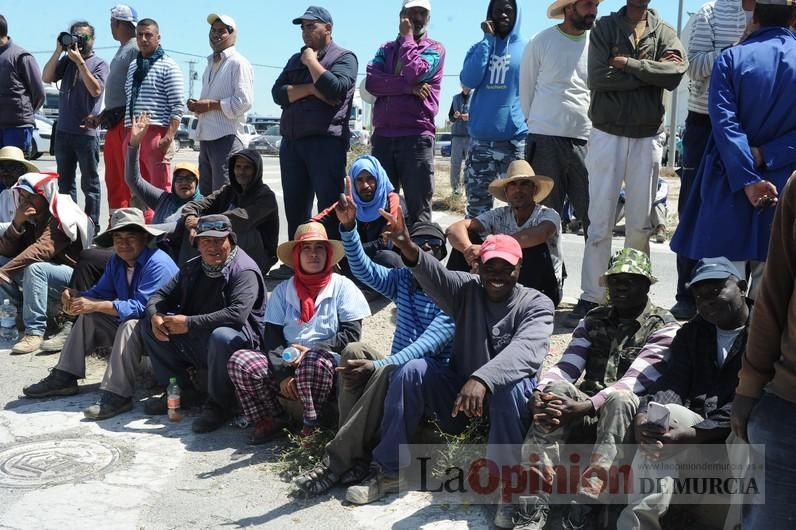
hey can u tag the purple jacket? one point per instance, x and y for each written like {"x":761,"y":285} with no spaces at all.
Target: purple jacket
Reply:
{"x":399,"y":66}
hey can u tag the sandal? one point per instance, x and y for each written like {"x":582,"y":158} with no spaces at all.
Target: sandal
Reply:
{"x":356,"y":474}
{"x":317,"y":481}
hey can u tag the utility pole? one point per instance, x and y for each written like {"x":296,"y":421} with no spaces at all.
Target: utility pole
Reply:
{"x":191,"y":78}
{"x":675,"y":102}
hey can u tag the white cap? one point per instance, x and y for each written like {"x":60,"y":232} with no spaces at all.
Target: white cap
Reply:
{"x":225,"y":19}
{"x":124,"y":13}
{"x":426,"y":4}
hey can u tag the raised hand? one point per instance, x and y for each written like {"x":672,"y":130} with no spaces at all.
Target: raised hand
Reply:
{"x":398,"y":234}
{"x":139,"y":128}
{"x":346,"y":208}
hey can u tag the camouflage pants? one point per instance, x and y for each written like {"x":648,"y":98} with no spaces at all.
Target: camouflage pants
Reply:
{"x":606,"y":431}
{"x":486,"y":162}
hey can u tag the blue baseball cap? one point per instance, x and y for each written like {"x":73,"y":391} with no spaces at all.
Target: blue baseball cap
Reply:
{"x":315,"y":13}
{"x":713,"y":269}
{"x":124,"y":13}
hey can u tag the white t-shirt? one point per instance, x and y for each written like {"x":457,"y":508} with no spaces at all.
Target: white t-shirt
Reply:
{"x":554,"y":89}
{"x":502,"y":221}
{"x":724,"y":341}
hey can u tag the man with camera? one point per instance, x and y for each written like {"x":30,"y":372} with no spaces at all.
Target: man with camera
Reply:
{"x":82,"y":75}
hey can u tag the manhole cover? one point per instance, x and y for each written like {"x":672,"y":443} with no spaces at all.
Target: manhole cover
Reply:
{"x":53,"y":462}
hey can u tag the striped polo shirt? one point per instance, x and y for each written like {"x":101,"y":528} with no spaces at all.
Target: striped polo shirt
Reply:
{"x":161,"y":93}
{"x":716,"y":26}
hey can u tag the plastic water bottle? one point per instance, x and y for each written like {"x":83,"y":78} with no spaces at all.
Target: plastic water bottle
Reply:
{"x":173,"y":400}
{"x":290,"y":354}
{"x":8,"y":322}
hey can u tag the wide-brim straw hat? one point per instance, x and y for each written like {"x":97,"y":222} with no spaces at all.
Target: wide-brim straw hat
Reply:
{"x":126,"y":219}
{"x":556,"y":9}
{"x":305,"y":233}
{"x":12,"y":153}
{"x":522,"y":170}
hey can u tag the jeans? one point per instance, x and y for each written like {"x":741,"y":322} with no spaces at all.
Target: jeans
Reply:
{"x":311,"y":167}
{"x":71,"y":151}
{"x":459,"y":147}
{"x":695,"y":138}
{"x":39,"y":283}
{"x":21,"y":137}
{"x":428,"y":388}
{"x":773,"y":423}
{"x":201,"y":349}
{"x":409,"y":162}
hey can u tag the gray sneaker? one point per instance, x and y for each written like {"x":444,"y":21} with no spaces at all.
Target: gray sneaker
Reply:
{"x":57,"y":341}
{"x":375,"y":486}
{"x":531,"y":513}
{"x":107,"y":406}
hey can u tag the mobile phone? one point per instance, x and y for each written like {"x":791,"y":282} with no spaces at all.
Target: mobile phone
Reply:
{"x":658,"y":414}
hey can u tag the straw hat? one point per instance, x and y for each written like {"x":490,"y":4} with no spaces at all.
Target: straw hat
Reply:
{"x":309,"y":232}
{"x":556,"y":9}
{"x":522,"y":170}
{"x":126,"y":219}
{"x":11,"y":153}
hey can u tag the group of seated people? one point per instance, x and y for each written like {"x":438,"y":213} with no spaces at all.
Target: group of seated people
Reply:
{"x":468,"y":343}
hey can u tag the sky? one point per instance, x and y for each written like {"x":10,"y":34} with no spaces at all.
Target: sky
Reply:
{"x":267,"y":37}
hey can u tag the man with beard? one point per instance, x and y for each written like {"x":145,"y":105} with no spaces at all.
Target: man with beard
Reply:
{"x":82,"y":74}
{"x":406,"y":77}
{"x":227,"y":94}
{"x":315,"y":91}
{"x":554,"y":94}
{"x":497,"y":126}
{"x":621,"y":350}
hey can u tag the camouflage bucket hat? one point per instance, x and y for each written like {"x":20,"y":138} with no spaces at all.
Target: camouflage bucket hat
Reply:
{"x":629,"y":261}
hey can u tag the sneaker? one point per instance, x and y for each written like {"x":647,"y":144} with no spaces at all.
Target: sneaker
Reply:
{"x":504,"y":516}
{"x":57,"y":383}
{"x":660,"y":234}
{"x":578,"y":517}
{"x":213,"y":417}
{"x":107,"y":406}
{"x":28,"y":344}
{"x":580,"y":310}
{"x":531,"y":513}
{"x":282,"y":273}
{"x":57,"y":341}
{"x":267,"y":430}
{"x":375,"y":486}
{"x":683,"y":310}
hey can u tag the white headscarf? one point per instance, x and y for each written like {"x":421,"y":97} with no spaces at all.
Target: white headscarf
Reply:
{"x":72,"y":221}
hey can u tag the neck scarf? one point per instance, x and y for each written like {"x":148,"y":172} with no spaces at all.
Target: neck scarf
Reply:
{"x":143,"y":64}
{"x":215,"y":271}
{"x":308,"y":286}
{"x":175,"y":204}
{"x":369,"y":211}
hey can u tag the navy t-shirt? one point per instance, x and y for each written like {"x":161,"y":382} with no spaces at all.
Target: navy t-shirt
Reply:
{"x":74,"y":100}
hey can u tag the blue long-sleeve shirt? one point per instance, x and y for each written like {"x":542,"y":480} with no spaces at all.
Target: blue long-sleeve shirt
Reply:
{"x":153,"y":269}
{"x":421,"y":328}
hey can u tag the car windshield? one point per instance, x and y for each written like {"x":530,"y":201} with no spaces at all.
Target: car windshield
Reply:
{"x":273,"y":130}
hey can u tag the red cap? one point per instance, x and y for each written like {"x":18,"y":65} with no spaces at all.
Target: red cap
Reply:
{"x":501,"y":246}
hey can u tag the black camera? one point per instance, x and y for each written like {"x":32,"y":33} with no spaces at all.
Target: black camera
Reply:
{"x":68,"y":40}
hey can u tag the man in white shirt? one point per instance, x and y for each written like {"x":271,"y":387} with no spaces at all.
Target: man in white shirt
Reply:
{"x":227,"y":94}
{"x":554,"y":95}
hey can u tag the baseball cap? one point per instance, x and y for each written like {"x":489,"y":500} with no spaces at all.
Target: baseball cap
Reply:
{"x":501,"y":246}
{"x":215,"y":225}
{"x":713,"y":269}
{"x":315,"y":13}
{"x":629,"y":261}
{"x":124,"y":13}
{"x":193,"y":169}
{"x":425,"y":4}
{"x":225,"y":19}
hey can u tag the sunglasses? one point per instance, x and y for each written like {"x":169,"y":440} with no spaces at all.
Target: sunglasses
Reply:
{"x":433,"y":242}
{"x":184,"y":178}
{"x":212,"y":225}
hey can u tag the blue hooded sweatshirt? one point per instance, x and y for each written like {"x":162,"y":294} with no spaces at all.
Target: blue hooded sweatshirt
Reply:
{"x":492,"y":69}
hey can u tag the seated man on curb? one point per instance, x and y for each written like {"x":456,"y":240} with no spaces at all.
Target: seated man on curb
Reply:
{"x":622,"y":348}
{"x":502,"y":336}
{"x":212,"y":308}
{"x":39,"y":250}
{"x":108,"y":315}
{"x":536,"y":227}
{"x":421,"y":330}
{"x":698,"y":386}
